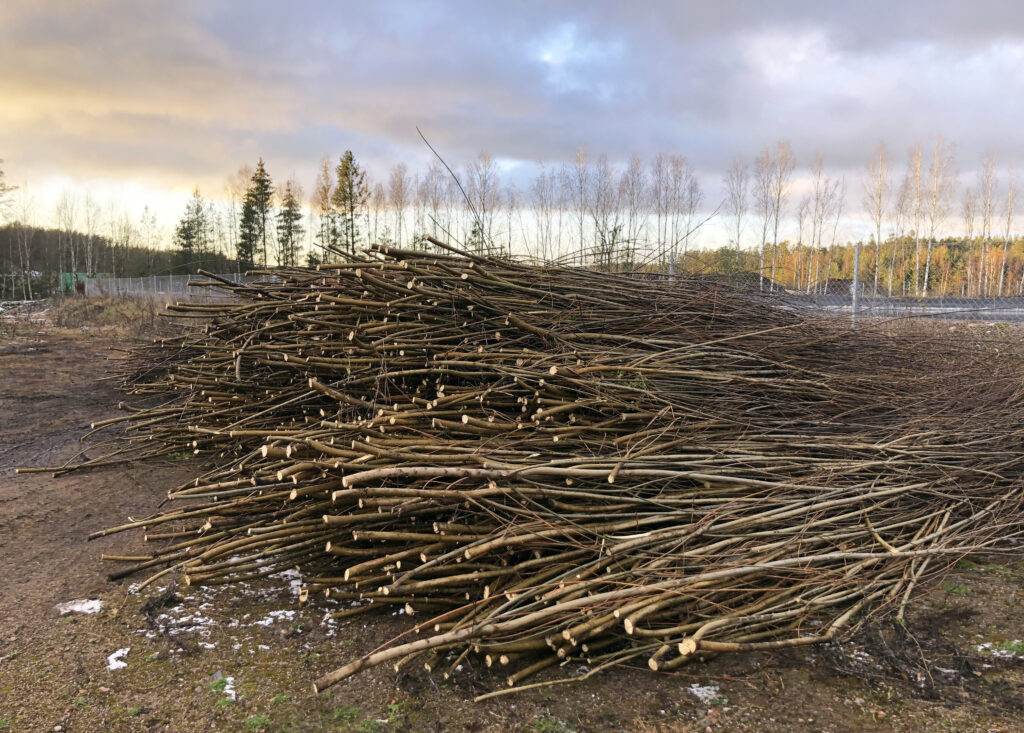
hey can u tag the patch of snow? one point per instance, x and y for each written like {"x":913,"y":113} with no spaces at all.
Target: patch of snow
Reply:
{"x":114,"y":660}
{"x":1000,"y":650}
{"x":83,"y":606}
{"x":229,"y":687}
{"x":276,"y":616}
{"x":704,"y":694}
{"x":294,"y":578}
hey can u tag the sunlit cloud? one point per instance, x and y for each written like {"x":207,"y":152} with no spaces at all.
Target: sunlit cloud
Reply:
{"x":146,"y":101}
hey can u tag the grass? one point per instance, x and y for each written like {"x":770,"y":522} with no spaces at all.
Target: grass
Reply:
{"x":1014,"y":647}
{"x":990,"y":567}
{"x":549,"y":724}
{"x":956,"y":589}
{"x":257,"y":722}
{"x":347,"y":712}
{"x":280,"y":699}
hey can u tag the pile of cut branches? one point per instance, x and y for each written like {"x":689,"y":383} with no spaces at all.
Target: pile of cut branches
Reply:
{"x":557,"y":466}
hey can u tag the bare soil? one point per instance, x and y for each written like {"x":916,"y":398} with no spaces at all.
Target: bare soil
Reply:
{"x":243,"y":658}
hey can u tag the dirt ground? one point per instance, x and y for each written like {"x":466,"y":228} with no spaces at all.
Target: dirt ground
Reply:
{"x":194,"y":659}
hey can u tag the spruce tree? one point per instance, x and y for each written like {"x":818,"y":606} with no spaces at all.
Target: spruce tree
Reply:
{"x":248,"y":235}
{"x":350,"y":196}
{"x":257,"y":200}
{"x":289,"y":227}
{"x":193,"y":232}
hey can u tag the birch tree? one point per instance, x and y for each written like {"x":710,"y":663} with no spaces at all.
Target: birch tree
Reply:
{"x":902,"y":206}
{"x":543,"y":199}
{"x":763,"y":204}
{"x":660,"y":202}
{"x":736,"y":184}
{"x":1011,"y":193}
{"x":802,"y":213}
{"x":633,"y":193}
{"x":986,"y":190}
{"x":24,"y":232}
{"x":969,"y":214}
{"x":67,"y":219}
{"x":433,"y":187}
{"x":877,"y":185}
{"x":782,"y":171}
{"x":577,"y":185}
{"x":941,"y":185}
{"x":693,"y":196}
{"x":398,"y":197}
{"x":323,"y":208}
{"x":917,"y":209}
{"x":605,"y":210}
{"x":484,"y":192}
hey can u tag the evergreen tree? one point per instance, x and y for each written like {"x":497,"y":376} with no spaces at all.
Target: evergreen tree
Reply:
{"x":256,"y":206}
{"x":289,"y":228}
{"x":248,"y":235}
{"x":313,"y":259}
{"x":350,"y":196}
{"x":193,"y":232}
{"x":476,"y":242}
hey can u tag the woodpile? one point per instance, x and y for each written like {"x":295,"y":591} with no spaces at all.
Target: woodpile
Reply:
{"x":556,"y":467}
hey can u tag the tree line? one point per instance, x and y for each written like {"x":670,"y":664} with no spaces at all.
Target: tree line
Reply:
{"x":924,"y":231}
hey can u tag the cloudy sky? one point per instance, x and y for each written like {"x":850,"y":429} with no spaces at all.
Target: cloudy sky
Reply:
{"x":145,"y":100}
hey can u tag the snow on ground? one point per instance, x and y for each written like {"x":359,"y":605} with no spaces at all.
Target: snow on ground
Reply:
{"x":1004,"y":650}
{"x":704,"y":694}
{"x":114,"y":660}
{"x":81,"y":606}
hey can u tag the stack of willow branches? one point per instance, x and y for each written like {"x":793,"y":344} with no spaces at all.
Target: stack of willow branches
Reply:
{"x":556,"y":466}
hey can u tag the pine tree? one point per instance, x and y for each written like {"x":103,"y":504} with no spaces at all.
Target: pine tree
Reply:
{"x":256,"y":205}
{"x":350,"y":196}
{"x":289,"y":227}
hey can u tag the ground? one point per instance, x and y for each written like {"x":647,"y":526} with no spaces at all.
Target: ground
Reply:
{"x":177,"y":658}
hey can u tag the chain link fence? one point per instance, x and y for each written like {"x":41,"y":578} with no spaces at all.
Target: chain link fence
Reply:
{"x":836,"y":300}
{"x":158,"y":287}
{"x":1007,"y":310}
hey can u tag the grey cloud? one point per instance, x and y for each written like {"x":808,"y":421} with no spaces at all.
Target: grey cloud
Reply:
{"x":192,"y":90}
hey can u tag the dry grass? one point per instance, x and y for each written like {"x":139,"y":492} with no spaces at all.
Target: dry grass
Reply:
{"x":110,"y":317}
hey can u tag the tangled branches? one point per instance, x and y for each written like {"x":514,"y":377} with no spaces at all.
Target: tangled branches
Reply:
{"x":558,"y":466}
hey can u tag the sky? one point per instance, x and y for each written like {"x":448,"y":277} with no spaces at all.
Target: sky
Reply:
{"x":140,"y":102}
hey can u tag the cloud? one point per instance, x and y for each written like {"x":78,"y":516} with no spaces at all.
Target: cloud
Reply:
{"x":178,"y":94}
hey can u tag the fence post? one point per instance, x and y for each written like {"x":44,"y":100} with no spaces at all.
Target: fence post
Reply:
{"x":856,"y":283}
